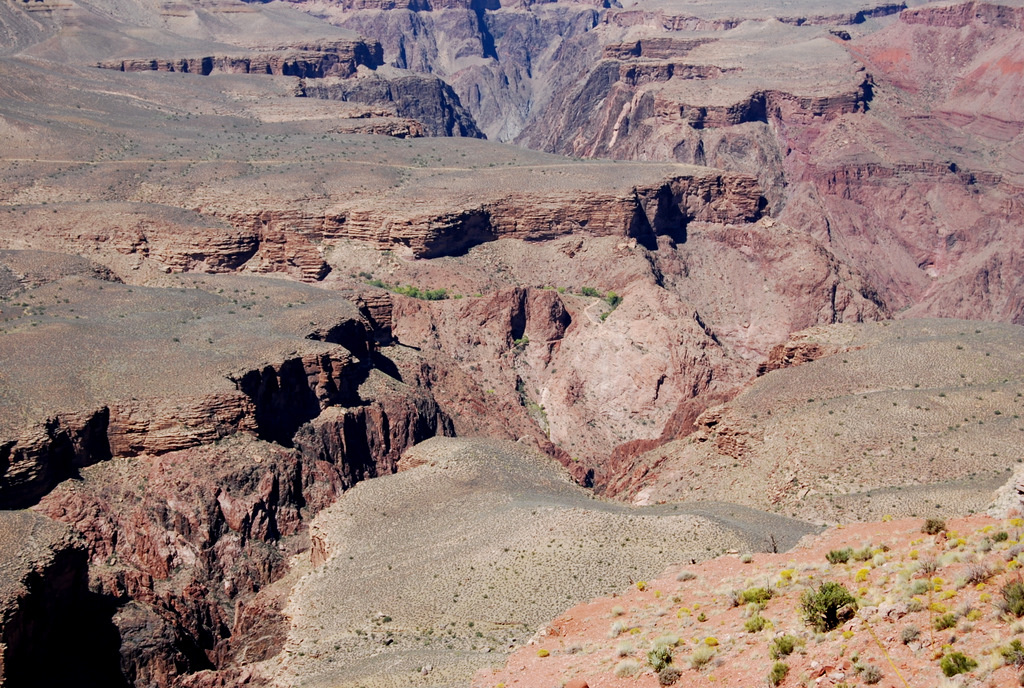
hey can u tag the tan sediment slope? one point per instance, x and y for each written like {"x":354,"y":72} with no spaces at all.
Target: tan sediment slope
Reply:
{"x":914,"y":417}
{"x":449,"y":563}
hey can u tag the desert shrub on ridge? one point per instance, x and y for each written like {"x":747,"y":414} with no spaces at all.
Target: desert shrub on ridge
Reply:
{"x":839,"y":556}
{"x":828,"y":606}
{"x":957,"y":663}
{"x":1013,"y":598}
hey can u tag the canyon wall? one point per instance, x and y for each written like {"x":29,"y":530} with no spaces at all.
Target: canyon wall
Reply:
{"x":828,"y":119}
{"x":185,"y":508}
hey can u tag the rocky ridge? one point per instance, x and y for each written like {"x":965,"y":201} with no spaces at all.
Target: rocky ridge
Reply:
{"x":923,"y":607}
{"x":463,"y":519}
{"x":315,"y":61}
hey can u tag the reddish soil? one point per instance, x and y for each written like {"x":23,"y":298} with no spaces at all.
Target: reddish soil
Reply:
{"x":896,"y":589}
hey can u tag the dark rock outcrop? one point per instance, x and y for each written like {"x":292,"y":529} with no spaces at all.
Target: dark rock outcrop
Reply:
{"x":643,"y":213}
{"x":425,"y":99}
{"x":187,"y":542}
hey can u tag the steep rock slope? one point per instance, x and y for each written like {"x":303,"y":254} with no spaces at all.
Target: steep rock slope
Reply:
{"x":54,"y":630}
{"x":234,"y":38}
{"x":902,"y":159}
{"x":627,"y":342}
{"x":202,"y":438}
{"x":504,"y":61}
{"x":948,"y":191}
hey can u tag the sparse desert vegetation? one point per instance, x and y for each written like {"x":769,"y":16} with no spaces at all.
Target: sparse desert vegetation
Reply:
{"x":366,"y":344}
{"x":824,"y":621}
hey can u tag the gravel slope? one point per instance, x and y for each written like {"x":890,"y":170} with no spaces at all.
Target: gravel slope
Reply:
{"x":455,"y":561}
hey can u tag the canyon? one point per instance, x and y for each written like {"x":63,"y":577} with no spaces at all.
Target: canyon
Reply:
{"x":349,"y":343}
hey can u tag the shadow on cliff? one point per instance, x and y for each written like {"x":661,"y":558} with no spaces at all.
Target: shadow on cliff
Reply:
{"x":71,"y":443}
{"x":63,"y":634}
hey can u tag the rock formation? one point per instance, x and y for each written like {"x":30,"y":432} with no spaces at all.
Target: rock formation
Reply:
{"x":185,"y":514}
{"x":315,"y":61}
{"x":731,"y":88}
{"x":55,"y":630}
{"x":263,"y":251}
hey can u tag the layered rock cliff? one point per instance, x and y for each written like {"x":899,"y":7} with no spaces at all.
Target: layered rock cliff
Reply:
{"x":314,"y":60}
{"x":185,"y":542}
{"x":505,"y":61}
{"x":425,"y":99}
{"x":827,"y":118}
{"x":643,"y":213}
{"x":595,"y":310}
{"x":639,"y":350}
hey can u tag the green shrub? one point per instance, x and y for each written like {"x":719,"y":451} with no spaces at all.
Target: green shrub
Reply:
{"x":660,"y":657}
{"x":869,"y":673}
{"x":1013,"y":654}
{"x":933,"y":526}
{"x":613,"y":299}
{"x":778,"y":673}
{"x":667,"y":640}
{"x":701,"y":656}
{"x":839,"y":556}
{"x":425,"y":294}
{"x":909,"y":634}
{"x":829,"y":606}
{"x":862,"y":554}
{"x":783,"y":646}
{"x":590,"y":291}
{"x":626,"y":668}
{"x":1013,"y":596}
{"x":1001,"y":536}
{"x":957,"y":663}
{"x":755,"y":624}
{"x":411,"y":291}
{"x":756,"y":595}
{"x":920,"y":587}
{"x":944,"y":621}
